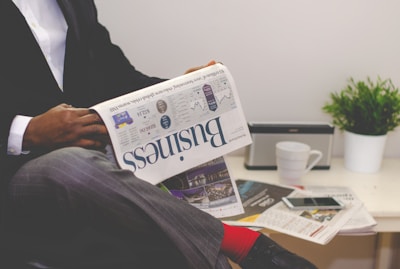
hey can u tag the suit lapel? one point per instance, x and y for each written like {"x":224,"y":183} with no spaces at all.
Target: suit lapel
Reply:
{"x":70,"y":17}
{"x":23,"y":65}
{"x":19,"y":48}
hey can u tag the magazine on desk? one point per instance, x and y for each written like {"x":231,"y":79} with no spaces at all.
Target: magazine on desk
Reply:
{"x":175,"y":127}
{"x":264,"y":209}
{"x":209,"y":187}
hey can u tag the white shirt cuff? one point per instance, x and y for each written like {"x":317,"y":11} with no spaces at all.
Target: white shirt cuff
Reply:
{"x":16,"y":135}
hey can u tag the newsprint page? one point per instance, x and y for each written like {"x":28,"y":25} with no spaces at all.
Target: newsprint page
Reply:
{"x":209,"y":187}
{"x":190,"y":121}
{"x":264,"y":209}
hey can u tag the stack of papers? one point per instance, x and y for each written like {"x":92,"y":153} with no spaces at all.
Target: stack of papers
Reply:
{"x":264,"y":209}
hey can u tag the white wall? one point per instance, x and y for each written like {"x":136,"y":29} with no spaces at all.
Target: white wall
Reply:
{"x":286,"y":55}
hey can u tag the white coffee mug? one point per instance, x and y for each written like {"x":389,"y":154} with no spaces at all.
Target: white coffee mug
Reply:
{"x":294,"y":159}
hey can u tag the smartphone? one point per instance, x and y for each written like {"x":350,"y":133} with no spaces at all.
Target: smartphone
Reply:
{"x":309,"y":203}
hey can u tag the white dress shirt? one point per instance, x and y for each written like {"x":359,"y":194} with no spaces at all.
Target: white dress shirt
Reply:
{"x":49,"y":27}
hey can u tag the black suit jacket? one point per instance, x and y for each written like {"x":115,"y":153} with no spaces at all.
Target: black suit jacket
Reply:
{"x":95,"y":70}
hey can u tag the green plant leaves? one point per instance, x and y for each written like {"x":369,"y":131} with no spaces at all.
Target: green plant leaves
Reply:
{"x":366,"y":107}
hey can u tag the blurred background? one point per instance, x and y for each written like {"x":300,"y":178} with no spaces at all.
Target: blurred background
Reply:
{"x":286,"y":56}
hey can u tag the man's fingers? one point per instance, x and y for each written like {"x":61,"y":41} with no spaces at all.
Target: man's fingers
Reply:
{"x":79,"y":111}
{"x":212,"y":62}
{"x":91,"y":118}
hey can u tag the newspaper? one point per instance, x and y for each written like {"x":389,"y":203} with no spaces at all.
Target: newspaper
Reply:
{"x":263,"y":208}
{"x":361,"y":223}
{"x":168,"y":128}
{"x":208,"y":187}
{"x":256,"y":198}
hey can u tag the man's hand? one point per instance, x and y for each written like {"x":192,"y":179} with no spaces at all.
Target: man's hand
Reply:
{"x":64,"y":126}
{"x":200,"y":67}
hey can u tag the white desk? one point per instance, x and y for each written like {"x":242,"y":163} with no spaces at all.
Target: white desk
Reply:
{"x":380,"y":193}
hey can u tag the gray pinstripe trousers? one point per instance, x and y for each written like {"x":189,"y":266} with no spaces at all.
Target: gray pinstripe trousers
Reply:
{"x":72,"y":208}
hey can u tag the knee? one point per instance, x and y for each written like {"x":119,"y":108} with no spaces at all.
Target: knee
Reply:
{"x":61,"y":163}
{"x":64,"y":160}
{"x":72,"y":154}
{"x":48,"y":180}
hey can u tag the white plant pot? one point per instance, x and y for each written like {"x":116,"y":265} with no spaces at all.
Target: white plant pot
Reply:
{"x":363,"y":153}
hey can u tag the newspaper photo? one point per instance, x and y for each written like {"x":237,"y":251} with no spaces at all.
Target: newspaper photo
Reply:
{"x":208,"y":187}
{"x":318,"y":226}
{"x":168,"y":128}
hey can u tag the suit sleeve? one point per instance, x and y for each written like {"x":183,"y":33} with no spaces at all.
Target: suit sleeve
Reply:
{"x":120,"y":73}
{"x":6,"y":116}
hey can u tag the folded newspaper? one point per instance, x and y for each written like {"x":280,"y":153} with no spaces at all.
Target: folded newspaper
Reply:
{"x":168,"y":128}
{"x":263,"y":208}
{"x":361,"y":223}
{"x":209,"y":187}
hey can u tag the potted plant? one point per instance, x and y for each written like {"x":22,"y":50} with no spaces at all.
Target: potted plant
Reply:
{"x":366,"y":111}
